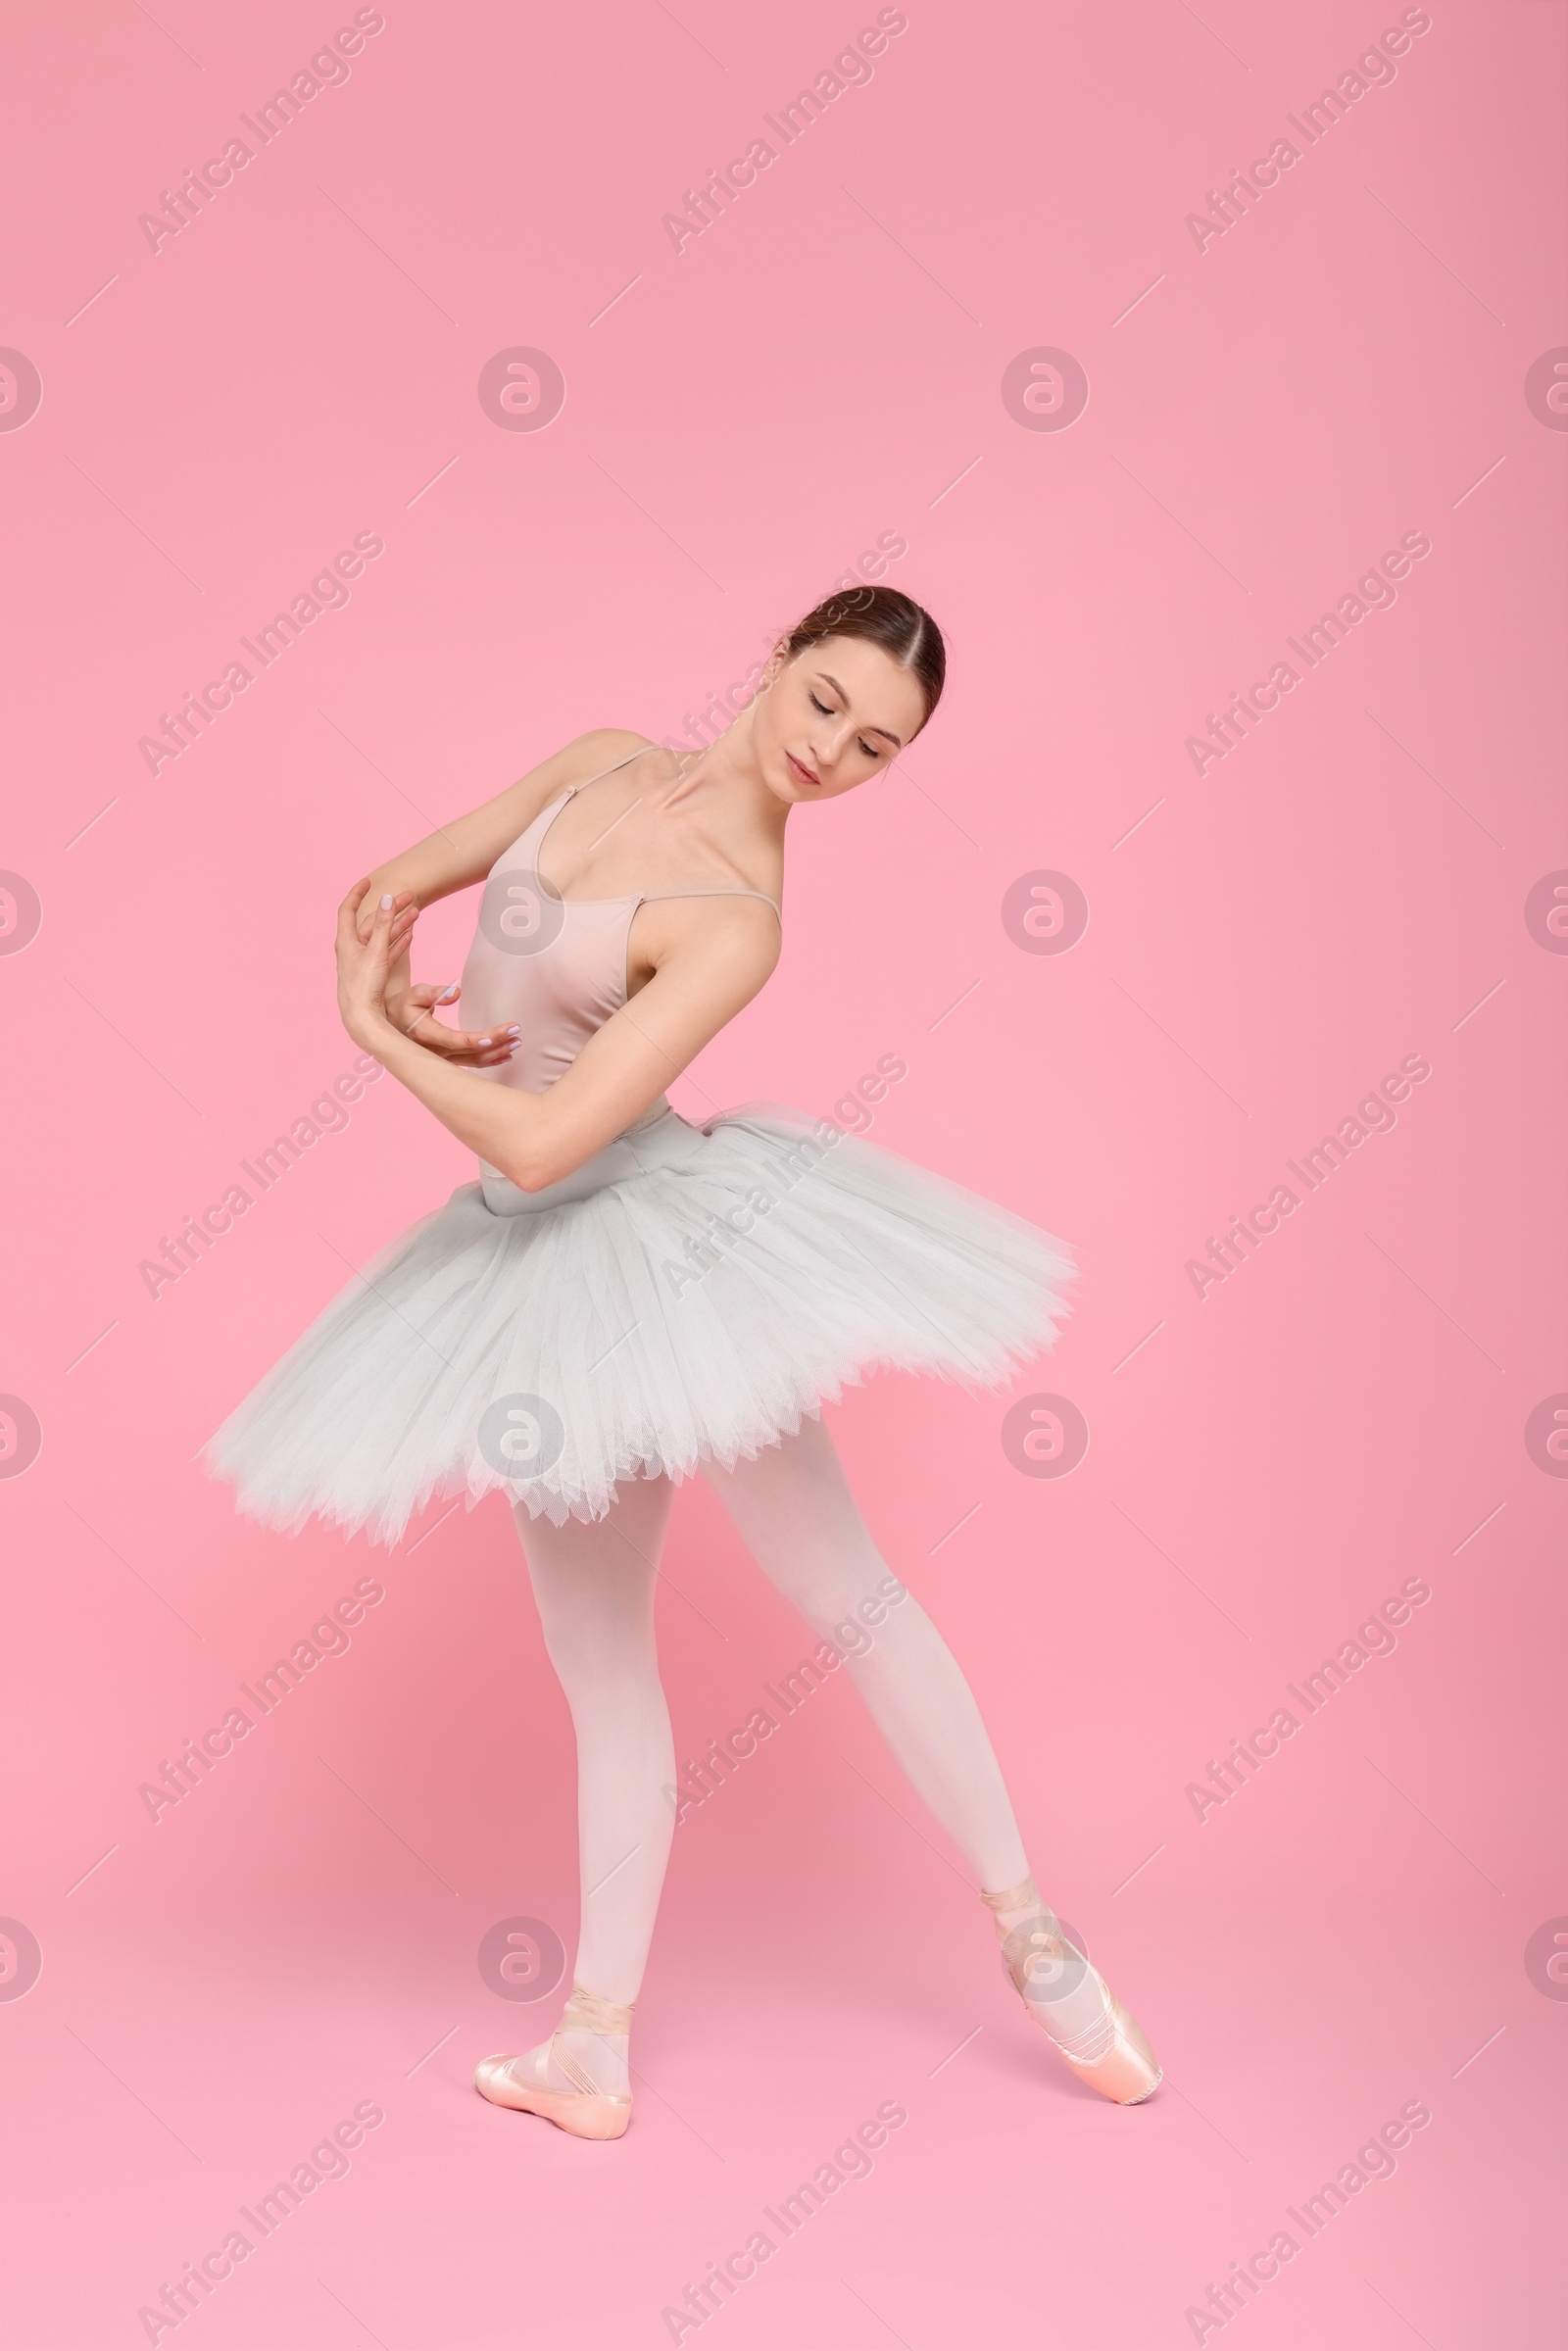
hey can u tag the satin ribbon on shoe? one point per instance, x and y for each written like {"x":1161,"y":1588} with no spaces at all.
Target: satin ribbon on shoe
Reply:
{"x":583,"y":2109}
{"x":1069,"y":1999}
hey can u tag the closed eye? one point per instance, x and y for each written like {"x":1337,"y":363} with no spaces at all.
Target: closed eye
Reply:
{"x":870,"y":749}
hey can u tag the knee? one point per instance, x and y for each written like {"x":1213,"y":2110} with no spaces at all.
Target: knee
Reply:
{"x":588,"y":1658}
{"x":827,"y":1608}
{"x":876,"y":1623}
{"x":829,"y":1580}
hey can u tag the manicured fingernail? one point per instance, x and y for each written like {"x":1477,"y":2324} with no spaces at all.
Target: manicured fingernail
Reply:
{"x":447,"y":993}
{"x":385,"y":903}
{"x":515,"y":1030}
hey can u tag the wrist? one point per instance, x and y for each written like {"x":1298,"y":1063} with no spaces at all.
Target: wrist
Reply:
{"x":373,"y":1033}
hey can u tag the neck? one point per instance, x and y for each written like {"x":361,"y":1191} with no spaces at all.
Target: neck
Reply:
{"x":724,"y":781}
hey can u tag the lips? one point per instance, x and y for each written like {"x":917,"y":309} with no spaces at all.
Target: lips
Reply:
{"x":802,"y":773}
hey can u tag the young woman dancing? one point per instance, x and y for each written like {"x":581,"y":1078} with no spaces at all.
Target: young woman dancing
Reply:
{"x":623,"y":1299}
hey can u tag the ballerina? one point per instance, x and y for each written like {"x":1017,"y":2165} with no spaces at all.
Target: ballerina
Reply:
{"x":623,"y":1300}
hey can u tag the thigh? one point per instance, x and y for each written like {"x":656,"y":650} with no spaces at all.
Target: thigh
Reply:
{"x":794,"y":1510}
{"x":594,"y":1580}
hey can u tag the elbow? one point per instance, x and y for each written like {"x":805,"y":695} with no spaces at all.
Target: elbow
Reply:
{"x":532,"y":1170}
{"x":524,"y":1177}
{"x":539,"y":1151}
{"x":524,"y":1151}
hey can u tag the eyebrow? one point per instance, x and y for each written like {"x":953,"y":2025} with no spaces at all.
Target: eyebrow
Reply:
{"x":895,"y":740}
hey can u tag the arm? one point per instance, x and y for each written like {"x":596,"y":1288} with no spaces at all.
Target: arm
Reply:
{"x":538,"y":1139}
{"x":463,"y":853}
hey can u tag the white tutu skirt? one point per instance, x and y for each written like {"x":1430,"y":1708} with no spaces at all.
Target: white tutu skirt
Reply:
{"x":684,"y":1298}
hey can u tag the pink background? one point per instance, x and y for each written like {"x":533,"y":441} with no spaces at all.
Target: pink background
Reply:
{"x":819,"y":367}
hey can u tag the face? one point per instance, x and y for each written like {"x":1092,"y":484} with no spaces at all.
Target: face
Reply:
{"x":836,"y":715}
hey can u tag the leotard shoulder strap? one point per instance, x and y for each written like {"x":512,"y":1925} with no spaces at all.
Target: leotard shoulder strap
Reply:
{"x":611,"y":770}
{"x":717,"y":890}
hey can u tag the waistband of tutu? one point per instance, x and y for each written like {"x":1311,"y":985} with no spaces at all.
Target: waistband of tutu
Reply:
{"x":661,"y":1138}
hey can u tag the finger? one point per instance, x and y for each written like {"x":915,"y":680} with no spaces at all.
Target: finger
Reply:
{"x":358,"y":906}
{"x":378,"y":952}
{"x":482,"y":1056}
{"x":436,"y":1038}
{"x":349,"y":908}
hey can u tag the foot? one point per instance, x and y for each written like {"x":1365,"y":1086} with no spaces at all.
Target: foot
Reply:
{"x":579,"y":2078}
{"x":1070,"y":2000}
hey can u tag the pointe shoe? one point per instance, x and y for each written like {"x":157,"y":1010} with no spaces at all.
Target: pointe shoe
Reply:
{"x":1070,"y":2000}
{"x":553,"y":2082}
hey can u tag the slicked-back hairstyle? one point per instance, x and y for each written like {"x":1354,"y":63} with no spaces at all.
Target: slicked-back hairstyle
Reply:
{"x":883,"y":616}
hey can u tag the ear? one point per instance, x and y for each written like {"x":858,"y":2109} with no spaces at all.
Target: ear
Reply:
{"x":776,"y":660}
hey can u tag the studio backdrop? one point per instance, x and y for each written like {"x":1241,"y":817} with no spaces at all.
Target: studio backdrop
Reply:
{"x":386,"y":401}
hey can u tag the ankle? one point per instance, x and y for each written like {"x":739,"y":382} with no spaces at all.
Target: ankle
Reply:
{"x":592,"y":2044}
{"x":595,"y":2013}
{"x":1014,"y":1903}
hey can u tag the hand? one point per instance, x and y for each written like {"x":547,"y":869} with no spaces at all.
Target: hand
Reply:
{"x":371,"y":945}
{"x":413,"y":1011}
{"x":363,"y":964}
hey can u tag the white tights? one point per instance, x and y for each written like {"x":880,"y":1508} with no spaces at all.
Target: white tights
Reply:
{"x":594,"y":1583}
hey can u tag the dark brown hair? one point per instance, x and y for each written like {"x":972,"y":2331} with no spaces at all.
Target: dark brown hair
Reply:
{"x":884,"y":616}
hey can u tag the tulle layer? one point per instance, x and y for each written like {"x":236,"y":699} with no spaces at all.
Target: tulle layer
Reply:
{"x":686,"y":1311}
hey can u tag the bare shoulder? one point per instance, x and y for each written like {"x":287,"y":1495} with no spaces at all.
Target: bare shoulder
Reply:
{"x":464,"y":849}
{"x":601,"y":747}
{"x":701,"y":961}
{"x":728,"y":932}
